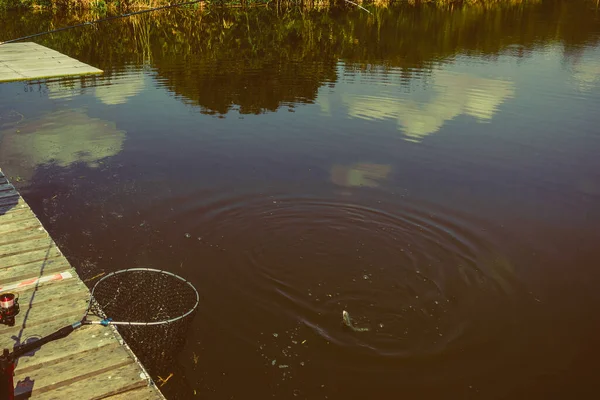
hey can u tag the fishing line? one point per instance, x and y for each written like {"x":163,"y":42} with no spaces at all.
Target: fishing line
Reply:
{"x":89,"y":23}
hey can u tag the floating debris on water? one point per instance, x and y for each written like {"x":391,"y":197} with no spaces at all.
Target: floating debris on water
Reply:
{"x":275,"y":335}
{"x":284,"y":366}
{"x":273,"y":362}
{"x":187,"y":235}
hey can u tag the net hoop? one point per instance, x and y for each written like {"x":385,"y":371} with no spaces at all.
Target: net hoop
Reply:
{"x":153,"y":323}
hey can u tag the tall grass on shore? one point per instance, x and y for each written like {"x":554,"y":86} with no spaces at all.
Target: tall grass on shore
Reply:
{"x":206,"y":55}
{"x":112,"y":5}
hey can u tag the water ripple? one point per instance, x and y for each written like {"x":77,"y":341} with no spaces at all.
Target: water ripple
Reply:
{"x":423,"y":282}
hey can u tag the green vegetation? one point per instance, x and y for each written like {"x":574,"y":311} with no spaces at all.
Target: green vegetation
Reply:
{"x":104,"y":5}
{"x":224,"y":58}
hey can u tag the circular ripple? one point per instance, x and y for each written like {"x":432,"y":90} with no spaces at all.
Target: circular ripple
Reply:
{"x":423,"y":283}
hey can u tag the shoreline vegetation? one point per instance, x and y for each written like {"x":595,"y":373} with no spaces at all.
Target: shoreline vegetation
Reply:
{"x":211,"y":57}
{"x":133,"y":5}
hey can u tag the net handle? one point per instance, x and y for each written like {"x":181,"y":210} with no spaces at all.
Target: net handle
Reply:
{"x":106,"y":322}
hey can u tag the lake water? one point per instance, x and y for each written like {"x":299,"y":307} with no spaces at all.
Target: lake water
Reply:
{"x":433,"y":171}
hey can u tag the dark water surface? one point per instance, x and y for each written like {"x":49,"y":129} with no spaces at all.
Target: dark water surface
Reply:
{"x":433,"y":171}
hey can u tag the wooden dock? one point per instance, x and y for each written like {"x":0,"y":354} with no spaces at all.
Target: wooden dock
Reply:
{"x":28,"y":60}
{"x":92,"y":362}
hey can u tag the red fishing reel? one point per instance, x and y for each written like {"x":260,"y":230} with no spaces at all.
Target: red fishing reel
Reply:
{"x":9,"y":308}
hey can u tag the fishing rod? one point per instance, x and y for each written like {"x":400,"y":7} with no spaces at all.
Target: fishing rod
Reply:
{"x":97,"y":21}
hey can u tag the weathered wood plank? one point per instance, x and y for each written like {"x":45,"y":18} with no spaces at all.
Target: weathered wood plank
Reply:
{"x":29,"y":222}
{"x":8,"y":193}
{"x":32,"y":64}
{"x":34,"y":256}
{"x":56,"y":300}
{"x":12,"y":56}
{"x":23,"y":247}
{"x":18,"y":236}
{"x":98,"y":386}
{"x":67,"y":312}
{"x":70,"y":290}
{"x":46,"y":266}
{"x":81,"y":342}
{"x":17,"y":208}
{"x":52,"y":72}
{"x":34,"y":328}
{"x":64,"y":301}
{"x":73,"y":369}
{"x":16,"y":335}
{"x":17,"y":49}
{"x":145,"y":393}
{"x":9,"y":202}
{"x":4,"y":186}
{"x":9,"y":75}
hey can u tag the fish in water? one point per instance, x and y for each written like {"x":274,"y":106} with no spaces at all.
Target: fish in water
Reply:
{"x":348,"y":322}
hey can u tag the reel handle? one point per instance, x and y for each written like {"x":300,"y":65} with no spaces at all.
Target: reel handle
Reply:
{"x":7,"y":371}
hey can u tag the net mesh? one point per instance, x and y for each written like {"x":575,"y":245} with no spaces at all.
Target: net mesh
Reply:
{"x":163,"y":303}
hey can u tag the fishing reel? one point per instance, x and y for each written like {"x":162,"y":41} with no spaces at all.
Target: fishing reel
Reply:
{"x":9,"y":308}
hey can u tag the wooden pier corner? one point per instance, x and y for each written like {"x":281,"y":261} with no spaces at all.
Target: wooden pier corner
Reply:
{"x":91,"y":363}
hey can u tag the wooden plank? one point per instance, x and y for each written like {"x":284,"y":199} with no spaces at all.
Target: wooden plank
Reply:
{"x":9,"y":202}
{"x":82,"y":341}
{"x":10,"y":340}
{"x":29,"y":222}
{"x":22,"y":235}
{"x":10,"y":75}
{"x":48,"y":62}
{"x":5,"y":69}
{"x":53,"y":72}
{"x":35,"y":329}
{"x":63,"y":302}
{"x":8,"y":193}
{"x":145,"y":393}
{"x":74,"y":368}
{"x":11,"y":56}
{"x":4,"y":186}
{"x":66,"y":312}
{"x":15,"y":211}
{"x":22,"y":260}
{"x":23,"y":247}
{"x":41,"y":65}
{"x":70,"y":289}
{"x":98,"y":386}
{"x":33,"y":270}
